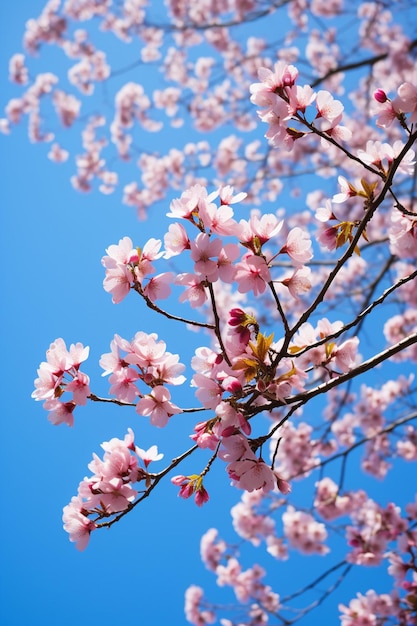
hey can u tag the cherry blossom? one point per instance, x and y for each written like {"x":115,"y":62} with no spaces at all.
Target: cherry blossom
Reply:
{"x":290,"y":249}
{"x":157,"y":405}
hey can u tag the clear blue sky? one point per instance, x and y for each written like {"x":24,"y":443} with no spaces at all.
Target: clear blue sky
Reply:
{"x":52,"y":241}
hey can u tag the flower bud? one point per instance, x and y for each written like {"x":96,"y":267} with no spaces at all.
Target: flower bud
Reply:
{"x":380,"y":96}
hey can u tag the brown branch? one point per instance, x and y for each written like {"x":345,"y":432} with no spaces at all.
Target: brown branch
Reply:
{"x":156,"y":479}
{"x":95,"y":398}
{"x":351,"y":248}
{"x":304,"y":397}
{"x":354,"y":65}
{"x":137,"y":287}
{"x":400,"y":422}
{"x":217,"y":325}
{"x":360,"y":317}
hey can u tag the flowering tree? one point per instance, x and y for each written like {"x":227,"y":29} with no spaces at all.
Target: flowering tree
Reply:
{"x":296,"y":307}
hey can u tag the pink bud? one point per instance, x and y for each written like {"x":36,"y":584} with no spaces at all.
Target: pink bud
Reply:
{"x":237,"y":317}
{"x":134,"y":257}
{"x":186,"y":490}
{"x":232,"y":384}
{"x":380,"y":96}
{"x":283,"y":486}
{"x":201,"y":496}
{"x":179,"y":480}
{"x":229,"y":431}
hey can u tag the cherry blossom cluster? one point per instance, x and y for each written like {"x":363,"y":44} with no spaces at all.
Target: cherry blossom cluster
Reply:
{"x":282,"y":101}
{"x":399,"y":604}
{"x":248,"y":264}
{"x":246,"y":584}
{"x":374,"y":527}
{"x":191,"y":485}
{"x":190,"y":86}
{"x":110,"y":489}
{"x":144,"y":359}
{"x":60,"y":374}
{"x":126,"y":267}
{"x":404,"y":102}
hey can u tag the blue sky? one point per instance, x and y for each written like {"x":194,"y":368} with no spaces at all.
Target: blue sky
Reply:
{"x":52,"y":241}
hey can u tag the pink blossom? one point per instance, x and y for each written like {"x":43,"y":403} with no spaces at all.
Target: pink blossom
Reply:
{"x":18,"y":72}
{"x":193,"y":613}
{"x":230,"y":418}
{"x":300,"y":98}
{"x":363,"y":611}
{"x":191,"y":485}
{"x":346,"y":354}
{"x":218,"y":220}
{"x":250,"y":474}
{"x":58,"y":356}
{"x":346,"y":191}
{"x":123,"y":384}
{"x":60,"y":412}
{"x":259,"y":230}
{"x":167,"y":371}
{"x":299,"y":282}
{"x":46,"y":383}
{"x":252,"y":274}
{"x":209,"y":391}
{"x":297,"y":453}
{"x":145,"y":350}
{"x":61,"y":373}
{"x":202,"y":249}
{"x":235,"y":448}
{"x":264,"y":93}
{"x":211,"y":550}
{"x":58,"y":154}
{"x":78,"y":353}
{"x":328,"y":238}
{"x":406,"y":100}
{"x":386,"y":114}
{"x":328,"y":109}
{"x":152,"y":250}
{"x":195,"y":294}
{"x":201,"y":496}
{"x":80,"y":387}
{"x":149,"y":455}
{"x":329,"y":503}
{"x":77,"y":524}
{"x":240,"y":323}
{"x":159,"y":287}
{"x":303,"y":532}
{"x":225,"y":262}
{"x":227,"y":195}
{"x":67,"y":107}
{"x":119,"y":254}
{"x":204,"y":436}
{"x":247,"y":522}
{"x":298,"y":246}
{"x":403,"y":234}
{"x":175,"y":240}
{"x":189,"y":203}
{"x":277,"y":117}
{"x":158,"y":406}
{"x":118,"y":269}
{"x":112,"y":361}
